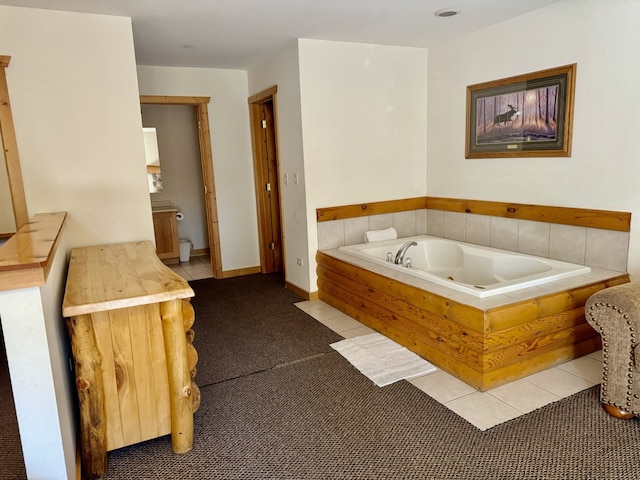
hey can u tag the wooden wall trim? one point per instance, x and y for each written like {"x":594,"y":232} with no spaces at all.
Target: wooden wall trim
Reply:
{"x":303,"y":294}
{"x":264,"y":95}
{"x":372,"y":208}
{"x":172,"y":100}
{"x":604,"y":219}
{"x":240,"y":272}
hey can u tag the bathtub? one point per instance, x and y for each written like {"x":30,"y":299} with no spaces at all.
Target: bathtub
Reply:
{"x":473,"y":269}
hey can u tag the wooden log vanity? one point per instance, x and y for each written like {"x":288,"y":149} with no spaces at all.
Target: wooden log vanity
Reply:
{"x":129,"y":320}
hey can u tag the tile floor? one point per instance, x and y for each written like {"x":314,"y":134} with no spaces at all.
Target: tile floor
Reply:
{"x":196,"y":268}
{"x":482,"y":409}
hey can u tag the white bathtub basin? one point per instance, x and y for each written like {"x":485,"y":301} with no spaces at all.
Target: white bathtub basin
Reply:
{"x":473,"y":269}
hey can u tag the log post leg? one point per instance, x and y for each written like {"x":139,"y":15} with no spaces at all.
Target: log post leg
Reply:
{"x":93,"y":419}
{"x":175,"y":345}
{"x":188,"y":318}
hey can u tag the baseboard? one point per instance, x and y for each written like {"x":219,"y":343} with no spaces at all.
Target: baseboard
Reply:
{"x":300,"y":292}
{"x":240,"y":272}
{"x":289,"y":286}
{"x":199,"y":252}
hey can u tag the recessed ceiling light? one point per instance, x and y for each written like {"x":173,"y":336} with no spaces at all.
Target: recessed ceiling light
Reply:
{"x":446,"y":12}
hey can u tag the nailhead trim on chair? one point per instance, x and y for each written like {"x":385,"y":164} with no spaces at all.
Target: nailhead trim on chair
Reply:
{"x":605,"y":358}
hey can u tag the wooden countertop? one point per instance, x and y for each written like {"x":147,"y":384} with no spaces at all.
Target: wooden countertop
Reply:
{"x":107,"y":277}
{"x":26,"y":257}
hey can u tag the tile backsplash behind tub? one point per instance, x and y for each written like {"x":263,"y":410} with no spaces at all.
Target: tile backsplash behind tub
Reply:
{"x":582,"y":245}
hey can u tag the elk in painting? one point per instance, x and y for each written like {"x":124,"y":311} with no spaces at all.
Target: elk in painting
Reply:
{"x":505,"y":117}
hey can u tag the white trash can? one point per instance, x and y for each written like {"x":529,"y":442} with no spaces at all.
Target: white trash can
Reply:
{"x":185,"y":250}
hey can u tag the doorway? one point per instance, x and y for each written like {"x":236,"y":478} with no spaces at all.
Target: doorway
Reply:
{"x":264,"y":137}
{"x":206,"y":161}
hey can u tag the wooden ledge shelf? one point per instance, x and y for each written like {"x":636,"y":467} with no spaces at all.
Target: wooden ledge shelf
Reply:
{"x":26,"y":258}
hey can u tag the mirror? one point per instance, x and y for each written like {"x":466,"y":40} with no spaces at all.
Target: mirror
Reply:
{"x":15,"y":188}
{"x":152,"y":157}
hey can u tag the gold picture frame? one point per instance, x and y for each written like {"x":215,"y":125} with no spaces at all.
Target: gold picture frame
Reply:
{"x":529,"y":115}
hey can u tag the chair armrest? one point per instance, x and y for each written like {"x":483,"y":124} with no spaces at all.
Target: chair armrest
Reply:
{"x":623,"y":298}
{"x":615,"y":314}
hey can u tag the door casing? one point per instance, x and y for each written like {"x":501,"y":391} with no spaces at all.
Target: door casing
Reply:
{"x":206,"y":161}
{"x":261,"y":178}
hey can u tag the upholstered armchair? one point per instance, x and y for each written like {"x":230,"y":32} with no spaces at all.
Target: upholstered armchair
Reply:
{"x":615,"y":313}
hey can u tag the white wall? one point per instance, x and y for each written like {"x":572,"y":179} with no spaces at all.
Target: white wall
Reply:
{"x":73,"y":89}
{"x":231,"y":150}
{"x":352,"y":126}
{"x":603,"y":171}
{"x":43,"y":388}
{"x":283,"y":71}
{"x":39,"y":374}
{"x":364,"y":125}
{"x":74,"y":96}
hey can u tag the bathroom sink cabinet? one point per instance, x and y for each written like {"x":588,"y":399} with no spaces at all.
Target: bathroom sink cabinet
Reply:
{"x":165,"y":227}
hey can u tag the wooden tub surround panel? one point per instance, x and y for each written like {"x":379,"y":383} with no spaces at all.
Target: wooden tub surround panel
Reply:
{"x":130,"y":322}
{"x":484,"y":348}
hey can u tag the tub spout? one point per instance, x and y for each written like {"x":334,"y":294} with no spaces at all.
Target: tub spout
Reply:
{"x":402,"y":251}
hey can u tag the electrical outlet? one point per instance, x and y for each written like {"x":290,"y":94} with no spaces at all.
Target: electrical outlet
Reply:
{"x":286,"y":179}
{"x":300,"y":262}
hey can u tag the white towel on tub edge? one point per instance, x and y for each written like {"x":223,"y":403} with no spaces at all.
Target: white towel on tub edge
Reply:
{"x":379,"y":235}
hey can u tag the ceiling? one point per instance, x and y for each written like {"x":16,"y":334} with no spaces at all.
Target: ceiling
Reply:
{"x":240,"y":33}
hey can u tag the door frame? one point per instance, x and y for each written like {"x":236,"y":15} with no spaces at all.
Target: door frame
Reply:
{"x":255,"y":102}
{"x":206,"y":160}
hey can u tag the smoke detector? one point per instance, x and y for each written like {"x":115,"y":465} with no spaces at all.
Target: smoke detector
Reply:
{"x":446,"y":12}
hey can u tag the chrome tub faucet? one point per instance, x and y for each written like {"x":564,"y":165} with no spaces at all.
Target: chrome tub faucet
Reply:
{"x":399,"y":260}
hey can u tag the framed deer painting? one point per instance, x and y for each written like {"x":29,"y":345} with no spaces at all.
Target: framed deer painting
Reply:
{"x":528,"y":115}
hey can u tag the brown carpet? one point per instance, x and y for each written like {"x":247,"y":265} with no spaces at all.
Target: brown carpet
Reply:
{"x":12,"y":465}
{"x":321,"y":419}
{"x":316,"y":417}
{"x":291,"y":408}
{"x":249,"y":324}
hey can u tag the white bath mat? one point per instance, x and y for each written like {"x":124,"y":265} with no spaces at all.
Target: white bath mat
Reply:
{"x":382,"y":360}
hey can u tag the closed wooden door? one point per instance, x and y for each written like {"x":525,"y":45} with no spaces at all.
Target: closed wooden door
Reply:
{"x":263,"y":110}
{"x":271,"y":195}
